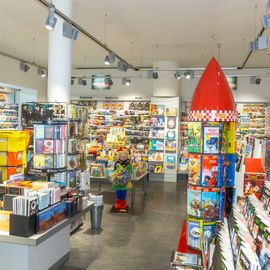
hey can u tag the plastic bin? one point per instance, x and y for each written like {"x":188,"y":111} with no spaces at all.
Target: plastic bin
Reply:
{"x":96,"y":217}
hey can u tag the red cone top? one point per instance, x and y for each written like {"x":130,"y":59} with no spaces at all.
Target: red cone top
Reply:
{"x":213,"y":99}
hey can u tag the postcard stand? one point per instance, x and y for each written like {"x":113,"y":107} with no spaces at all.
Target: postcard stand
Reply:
{"x":211,"y":147}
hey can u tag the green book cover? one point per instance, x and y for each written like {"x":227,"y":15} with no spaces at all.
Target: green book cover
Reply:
{"x":194,"y":137}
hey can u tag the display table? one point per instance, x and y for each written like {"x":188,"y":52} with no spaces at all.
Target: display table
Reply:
{"x":101,"y":178}
{"x":145,"y":182}
{"x":39,"y":252}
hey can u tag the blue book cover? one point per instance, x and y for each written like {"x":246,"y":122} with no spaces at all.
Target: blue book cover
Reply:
{"x":229,"y":166}
{"x":211,"y":139}
{"x":194,"y":201}
{"x":211,"y":203}
{"x":194,"y":233}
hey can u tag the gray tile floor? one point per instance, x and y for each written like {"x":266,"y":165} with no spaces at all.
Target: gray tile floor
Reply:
{"x":142,"y":239}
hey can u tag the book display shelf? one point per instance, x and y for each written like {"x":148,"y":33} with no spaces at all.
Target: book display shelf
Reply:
{"x":9,"y":116}
{"x":163,"y":138}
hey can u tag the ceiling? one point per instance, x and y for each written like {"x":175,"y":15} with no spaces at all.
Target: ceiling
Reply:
{"x":179,"y":30}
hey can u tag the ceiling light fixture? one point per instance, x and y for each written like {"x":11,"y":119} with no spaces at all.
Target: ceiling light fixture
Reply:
{"x":126,"y":81}
{"x":24,"y":66}
{"x":152,"y":74}
{"x":266,"y":21}
{"x":69,"y":31}
{"x":51,"y":19}
{"x":255,"y":80}
{"x":82,"y":81}
{"x":189,"y":74}
{"x":177,"y":76}
{"x":260,"y":43}
{"x":41,"y":72}
{"x":108,"y":81}
{"x":109,"y":59}
{"x":122,"y":66}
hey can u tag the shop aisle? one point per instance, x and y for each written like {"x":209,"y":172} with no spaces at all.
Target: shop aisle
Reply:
{"x":143,"y":239}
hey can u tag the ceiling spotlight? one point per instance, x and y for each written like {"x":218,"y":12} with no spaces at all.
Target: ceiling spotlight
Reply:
{"x":109,"y":59}
{"x":261,"y":43}
{"x":122,"y":66}
{"x":106,"y":61}
{"x":266,"y":21}
{"x":126,"y":81}
{"x":41,"y":72}
{"x":82,"y":81}
{"x":189,"y":74}
{"x":177,"y":76}
{"x":24,"y":67}
{"x":69,"y":31}
{"x":51,"y":19}
{"x":255,"y":80}
{"x":152,"y":74}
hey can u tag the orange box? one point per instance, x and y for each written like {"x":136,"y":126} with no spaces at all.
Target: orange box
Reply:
{"x":15,"y":158}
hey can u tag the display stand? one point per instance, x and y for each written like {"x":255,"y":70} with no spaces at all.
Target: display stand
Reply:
{"x":45,"y":251}
{"x":163,"y":139}
{"x":145,"y":181}
{"x":212,"y":159}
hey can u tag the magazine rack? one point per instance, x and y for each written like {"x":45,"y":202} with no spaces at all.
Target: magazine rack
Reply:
{"x":212,"y":159}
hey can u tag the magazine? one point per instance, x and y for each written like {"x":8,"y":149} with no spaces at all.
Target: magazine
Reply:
{"x":211,"y":139}
{"x":194,"y":162}
{"x":194,"y":137}
{"x":211,"y":203}
{"x":194,"y":201}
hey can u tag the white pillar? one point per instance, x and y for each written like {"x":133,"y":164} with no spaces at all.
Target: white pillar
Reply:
{"x":168,"y":87}
{"x":59,"y":58}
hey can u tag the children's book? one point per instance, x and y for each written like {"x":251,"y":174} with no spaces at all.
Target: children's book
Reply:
{"x":211,"y":203}
{"x":194,"y":164}
{"x":171,"y":111}
{"x":48,"y":146}
{"x":39,"y":131}
{"x":39,"y":146}
{"x":186,"y":260}
{"x":211,"y":139}
{"x":48,"y":161}
{"x":157,"y":122}
{"x":228,"y":138}
{"x":194,"y":230}
{"x":170,"y":146}
{"x":39,"y":161}
{"x":194,"y":137}
{"x":171,"y":122}
{"x":170,"y":161}
{"x":211,"y":171}
{"x":229,"y":167}
{"x":156,"y":145}
{"x":194,"y":201}
{"x":171,"y":135}
{"x":155,"y":156}
{"x":49,"y":132}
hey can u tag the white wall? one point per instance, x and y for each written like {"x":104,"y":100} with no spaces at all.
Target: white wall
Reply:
{"x":246,"y":92}
{"x":11,"y":74}
{"x":139,"y":86}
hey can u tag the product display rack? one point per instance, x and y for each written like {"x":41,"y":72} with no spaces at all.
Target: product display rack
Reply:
{"x":9,"y":116}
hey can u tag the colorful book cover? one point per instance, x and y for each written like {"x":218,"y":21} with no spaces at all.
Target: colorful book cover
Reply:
{"x":39,"y":131}
{"x":48,"y":146}
{"x":211,"y":203}
{"x":170,"y":146}
{"x":211,"y":139}
{"x":157,"y":121}
{"x":171,"y":122}
{"x":253,"y":184}
{"x":170,"y":161}
{"x":229,"y":166}
{"x":157,"y":109}
{"x":71,"y":179}
{"x":155,"y":156}
{"x":228,"y":137}
{"x":49,"y":132}
{"x":157,"y":133}
{"x":39,"y":161}
{"x":194,"y":137}
{"x":39,"y":146}
{"x":194,"y":201}
{"x":48,"y":161}
{"x":194,"y":164}
{"x":194,"y":229}
{"x":156,"y":145}
{"x":171,"y":111}
{"x":210,"y":226}
{"x":171,"y":135}
{"x":211,"y":171}
{"x":72,"y":162}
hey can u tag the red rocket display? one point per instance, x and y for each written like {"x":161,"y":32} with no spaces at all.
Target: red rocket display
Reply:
{"x":213,"y":99}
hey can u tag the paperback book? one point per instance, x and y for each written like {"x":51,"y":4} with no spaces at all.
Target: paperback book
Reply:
{"x":229,"y":167}
{"x":156,"y":156}
{"x":211,"y":171}
{"x":171,"y":122}
{"x":211,"y":203}
{"x":211,"y":139}
{"x":156,"y":145}
{"x":194,"y":201}
{"x":170,"y":146}
{"x":157,"y":122}
{"x":194,"y":164}
{"x":194,"y":137}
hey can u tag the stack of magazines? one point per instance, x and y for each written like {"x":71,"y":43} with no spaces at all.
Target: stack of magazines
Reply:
{"x":186,"y":261}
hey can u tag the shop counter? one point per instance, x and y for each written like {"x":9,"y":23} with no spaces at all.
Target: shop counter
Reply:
{"x":39,"y":252}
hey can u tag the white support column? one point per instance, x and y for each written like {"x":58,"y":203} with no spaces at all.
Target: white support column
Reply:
{"x":168,"y":87}
{"x":59,"y":58}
